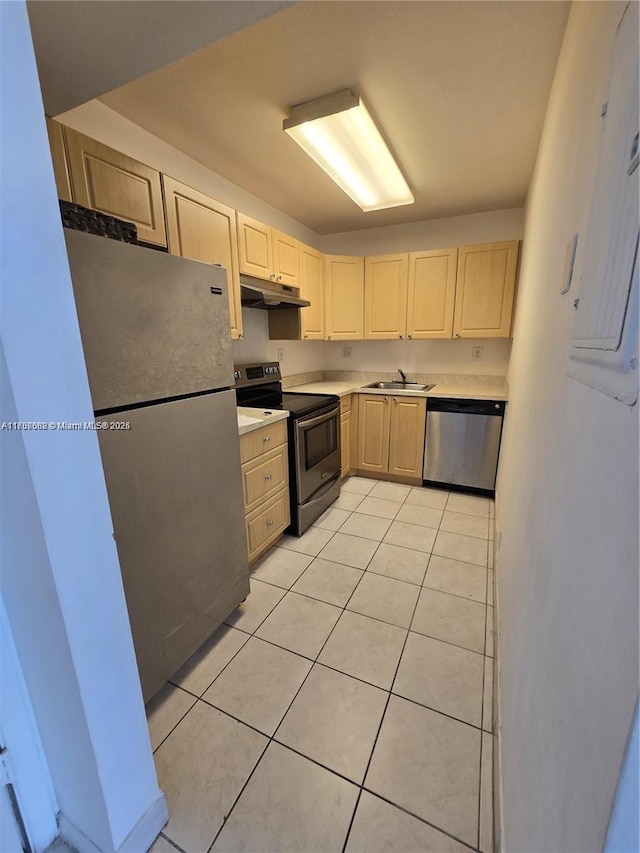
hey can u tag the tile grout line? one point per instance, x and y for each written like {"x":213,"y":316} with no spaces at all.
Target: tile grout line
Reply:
{"x":343,"y":608}
{"x":315,"y":661}
{"x":421,"y":819}
{"x":318,"y":763}
{"x":232,"y":658}
{"x":375,"y":740}
{"x":179,"y":721}
{"x":272,"y":737}
{"x":170,"y":841}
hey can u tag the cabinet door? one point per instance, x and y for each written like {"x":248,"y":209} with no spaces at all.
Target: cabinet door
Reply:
{"x":344,"y":282}
{"x":106,"y":180}
{"x":254,"y":243}
{"x":432,"y":294}
{"x":202,"y":229}
{"x":345,"y":444}
{"x":286,"y":258}
{"x":59,"y":157}
{"x":484,"y":290}
{"x":385,"y":297}
{"x":353,"y":449}
{"x":373,"y":432}
{"x":312,"y":289}
{"x":406,"y":440}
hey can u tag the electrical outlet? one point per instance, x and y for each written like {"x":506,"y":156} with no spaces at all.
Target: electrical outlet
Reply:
{"x":346,"y":352}
{"x":280,"y":354}
{"x":476,"y":353}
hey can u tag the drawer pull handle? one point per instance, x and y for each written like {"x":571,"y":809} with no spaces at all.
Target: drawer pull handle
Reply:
{"x":267,"y":476}
{"x":270,"y":523}
{"x":266,"y":438}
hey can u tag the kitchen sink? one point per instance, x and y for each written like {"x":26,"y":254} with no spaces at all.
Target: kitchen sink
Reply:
{"x":399,"y":386}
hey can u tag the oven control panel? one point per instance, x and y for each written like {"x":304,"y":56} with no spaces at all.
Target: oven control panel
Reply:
{"x":255,"y":374}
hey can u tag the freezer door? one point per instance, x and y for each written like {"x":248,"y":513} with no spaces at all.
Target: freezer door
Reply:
{"x":153,"y":325}
{"x":175,"y":491}
{"x":462,"y":449}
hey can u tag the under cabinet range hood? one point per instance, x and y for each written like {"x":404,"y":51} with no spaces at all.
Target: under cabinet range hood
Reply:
{"x":269,"y":296}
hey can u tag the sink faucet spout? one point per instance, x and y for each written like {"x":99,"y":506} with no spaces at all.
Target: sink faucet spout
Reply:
{"x":404,"y":376}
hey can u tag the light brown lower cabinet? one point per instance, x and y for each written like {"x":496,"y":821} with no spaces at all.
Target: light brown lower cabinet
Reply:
{"x":391,"y":435}
{"x":348,"y":434}
{"x":265,"y":485}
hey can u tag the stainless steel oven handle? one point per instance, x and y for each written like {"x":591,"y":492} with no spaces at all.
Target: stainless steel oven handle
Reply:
{"x":303,"y":423}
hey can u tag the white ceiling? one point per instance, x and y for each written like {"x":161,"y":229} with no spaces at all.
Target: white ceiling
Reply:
{"x":458,"y":88}
{"x":85,"y":48}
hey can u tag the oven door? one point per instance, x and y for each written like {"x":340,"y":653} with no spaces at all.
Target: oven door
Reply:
{"x":317,"y":450}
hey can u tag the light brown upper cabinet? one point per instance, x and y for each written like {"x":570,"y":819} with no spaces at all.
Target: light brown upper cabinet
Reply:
{"x":286,"y":258}
{"x":106,"y":180}
{"x":204,"y":230}
{"x":385,"y":297}
{"x":344,"y":291}
{"x":256,"y":254}
{"x":485,"y":289}
{"x":432,"y":293}
{"x":267,"y":253}
{"x":59,"y":157}
{"x":312,"y":289}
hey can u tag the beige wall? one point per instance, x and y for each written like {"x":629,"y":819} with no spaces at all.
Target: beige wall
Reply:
{"x":297,"y":356}
{"x":420,"y":356}
{"x":109,"y":127}
{"x":412,"y":356}
{"x":484,"y":227}
{"x":102,"y":123}
{"x":567,"y":505}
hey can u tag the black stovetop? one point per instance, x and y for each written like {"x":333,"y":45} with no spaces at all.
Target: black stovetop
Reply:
{"x":263,"y":390}
{"x":304,"y":404}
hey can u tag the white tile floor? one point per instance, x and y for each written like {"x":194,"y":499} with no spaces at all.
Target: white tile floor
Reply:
{"x":346,"y":705}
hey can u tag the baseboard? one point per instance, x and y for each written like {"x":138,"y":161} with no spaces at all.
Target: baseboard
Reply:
{"x":140,"y":839}
{"x":147,"y":829}
{"x":74,"y":837}
{"x":388,"y":478}
{"x":498,"y":799}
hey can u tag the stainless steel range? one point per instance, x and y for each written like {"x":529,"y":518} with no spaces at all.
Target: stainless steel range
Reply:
{"x":314,"y":439}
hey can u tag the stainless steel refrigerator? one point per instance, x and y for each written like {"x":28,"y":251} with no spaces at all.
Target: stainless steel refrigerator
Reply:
{"x":155,"y":332}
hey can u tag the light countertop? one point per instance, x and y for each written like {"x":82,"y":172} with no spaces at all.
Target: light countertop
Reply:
{"x":324,"y":387}
{"x":469,"y":390}
{"x":250,"y":419}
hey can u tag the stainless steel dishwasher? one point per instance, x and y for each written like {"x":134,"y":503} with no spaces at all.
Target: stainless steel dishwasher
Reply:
{"x":462,"y":443}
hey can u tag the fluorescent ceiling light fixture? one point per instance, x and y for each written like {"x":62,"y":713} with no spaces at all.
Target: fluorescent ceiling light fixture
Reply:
{"x":339,"y":134}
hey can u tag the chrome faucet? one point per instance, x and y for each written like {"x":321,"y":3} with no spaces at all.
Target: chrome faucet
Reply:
{"x":404,"y":376}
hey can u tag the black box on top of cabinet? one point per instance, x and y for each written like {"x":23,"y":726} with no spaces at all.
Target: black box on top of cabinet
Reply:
{"x":81,"y":218}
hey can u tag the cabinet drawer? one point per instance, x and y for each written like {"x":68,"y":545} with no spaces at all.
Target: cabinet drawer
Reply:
{"x":264,"y":476}
{"x":259,"y":441}
{"x":345,"y":404}
{"x":266,"y":523}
